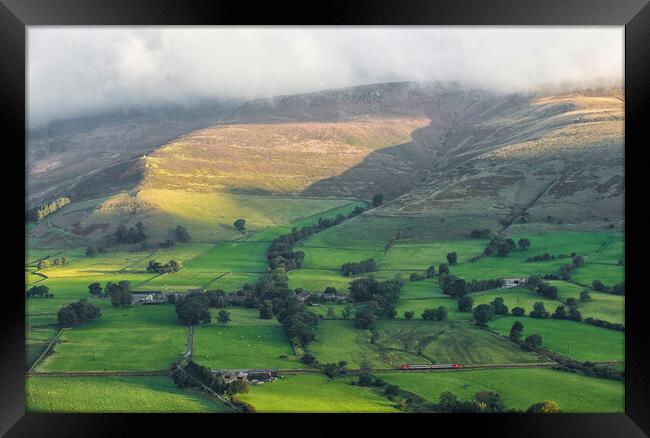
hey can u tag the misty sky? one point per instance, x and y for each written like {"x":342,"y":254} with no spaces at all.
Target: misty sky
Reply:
{"x":74,"y":71}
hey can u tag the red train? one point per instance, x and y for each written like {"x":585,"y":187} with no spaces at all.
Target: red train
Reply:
{"x":430,"y":367}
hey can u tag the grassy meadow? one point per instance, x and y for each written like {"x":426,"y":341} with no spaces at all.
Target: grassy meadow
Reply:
{"x":133,"y":394}
{"x":315,"y":393}
{"x":520,"y":388}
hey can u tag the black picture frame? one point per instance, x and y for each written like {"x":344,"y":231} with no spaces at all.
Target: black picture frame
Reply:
{"x":15,"y":15}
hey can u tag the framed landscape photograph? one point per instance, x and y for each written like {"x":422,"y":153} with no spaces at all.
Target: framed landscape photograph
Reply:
{"x":418,"y":209}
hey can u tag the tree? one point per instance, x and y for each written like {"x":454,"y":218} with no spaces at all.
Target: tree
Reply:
{"x":240,"y":225}
{"x":492,"y":401}
{"x":431,"y":271}
{"x":545,"y":407}
{"x":223,"y":317}
{"x":266,"y":309}
{"x":408,"y":314}
{"x":182,"y":235}
{"x":574,"y":314}
{"x":499,"y":306}
{"x":347,"y":311}
{"x":448,"y":400}
{"x":91,"y":251}
{"x":95,"y":289}
{"x":465,"y":303}
{"x":599,"y":286}
{"x":518,"y":311}
{"x":308,"y":358}
{"x":377,"y":200}
{"x":443,"y":269}
{"x":38,"y":291}
{"x":533,"y":342}
{"x":429,"y":314}
{"x":78,"y":313}
{"x":364,"y":319}
{"x":584,"y":295}
{"x":538,"y":310}
{"x":192,"y":310}
{"x":44,"y":264}
{"x":237,"y":387}
{"x":121,"y":298}
{"x":482,"y":314}
{"x":516,"y":331}
{"x":523,"y":243}
{"x":560,"y":313}
{"x":441,"y":313}
{"x":452,"y":258}
{"x":578,"y":261}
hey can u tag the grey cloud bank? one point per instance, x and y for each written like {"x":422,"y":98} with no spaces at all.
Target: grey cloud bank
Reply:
{"x":76,"y":71}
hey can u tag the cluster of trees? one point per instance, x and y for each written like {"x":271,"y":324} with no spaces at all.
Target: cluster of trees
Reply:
{"x":465,"y":303}
{"x":532,"y":342}
{"x":131,"y":235}
{"x":457,"y":287}
{"x":47,"y":208}
{"x":618,"y":289}
{"x":171,"y":266}
{"x":39,"y":292}
{"x":544,"y":407}
{"x":430,"y":273}
{"x":439,"y":314}
{"x":47,"y":263}
{"x":77,"y":313}
{"x":380,"y":298}
{"x":192,"y":309}
{"x":484,"y":401}
{"x":377,"y":200}
{"x":502,"y":247}
{"x":536,"y":284}
{"x":182,"y":235}
{"x":480,"y":234}
{"x":485,"y":312}
{"x":348,"y":269}
{"x":281,"y":254}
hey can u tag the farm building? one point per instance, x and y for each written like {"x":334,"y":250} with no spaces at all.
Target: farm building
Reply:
{"x":514,"y":282}
{"x":148,"y":297}
{"x":302,"y":296}
{"x":253,"y":376}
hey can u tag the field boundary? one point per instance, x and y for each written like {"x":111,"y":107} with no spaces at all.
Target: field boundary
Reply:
{"x":47,"y":350}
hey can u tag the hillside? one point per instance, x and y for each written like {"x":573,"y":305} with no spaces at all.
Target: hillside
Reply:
{"x":447,"y":159}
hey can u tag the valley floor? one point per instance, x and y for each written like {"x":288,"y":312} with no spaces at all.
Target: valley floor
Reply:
{"x":148,"y":338}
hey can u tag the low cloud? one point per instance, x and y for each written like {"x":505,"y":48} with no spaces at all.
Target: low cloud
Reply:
{"x":77,"y":71}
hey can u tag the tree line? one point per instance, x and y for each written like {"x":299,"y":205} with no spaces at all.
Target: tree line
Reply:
{"x":280,"y":252}
{"x":47,"y":208}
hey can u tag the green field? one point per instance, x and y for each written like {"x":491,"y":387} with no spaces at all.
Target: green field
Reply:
{"x":315,"y":393}
{"x":181,"y":281}
{"x":133,"y":338}
{"x":580,"y":341}
{"x":520,"y":388}
{"x":608,"y":274}
{"x":233,"y":281}
{"x":36,"y":340}
{"x":246,"y":342}
{"x":114,"y":394}
{"x":232,"y":257}
{"x":414,"y":342}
